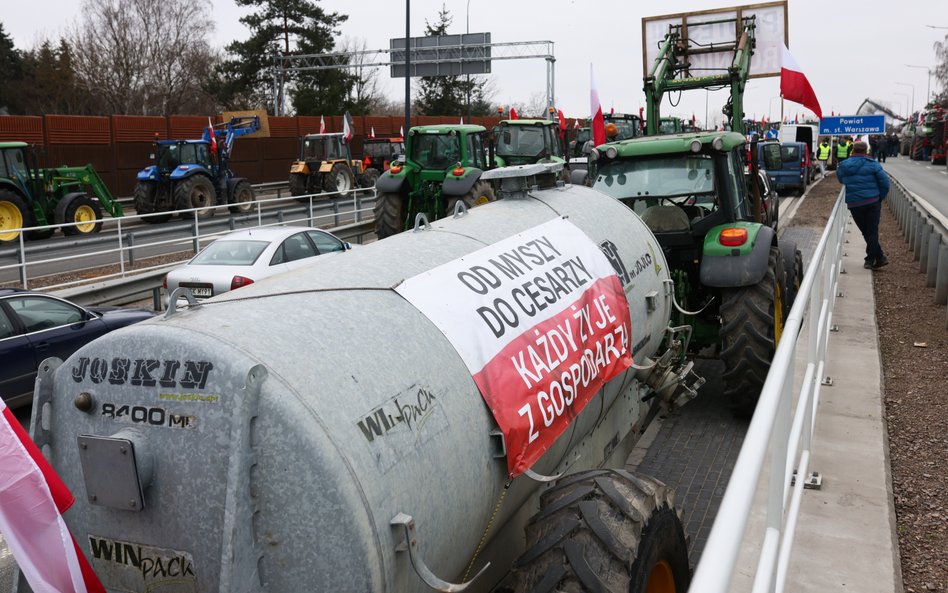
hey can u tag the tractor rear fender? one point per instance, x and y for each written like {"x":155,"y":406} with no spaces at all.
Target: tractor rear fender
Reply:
{"x":184,"y":171}
{"x":388,"y":183}
{"x":231,"y":184}
{"x":326,"y":166}
{"x":733,"y":266}
{"x":299,"y":167}
{"x":458,"y":186}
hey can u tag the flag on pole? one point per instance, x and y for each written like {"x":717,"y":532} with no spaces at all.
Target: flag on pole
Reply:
{"x":32,"y":500}
{"x":576,"y":125}
{"x":795,"y":120}
{"x":462,"y":120}
{"x":562,"y":121}
{"x":401,"y":132}
{"x":372,"y":132}
{"x":213,"y":138}
{"x":595,"y":107}
{"x":348,"y":129}
{"x":612,"y":109}
{"x":513,"y":113}
{"x":794,"y":85}
{"x":322,"y":125}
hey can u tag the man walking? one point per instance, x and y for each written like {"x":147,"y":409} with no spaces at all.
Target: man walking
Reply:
{"x":867,"y":184}
{"x":843,"y":148}
{"x":823,"y":152}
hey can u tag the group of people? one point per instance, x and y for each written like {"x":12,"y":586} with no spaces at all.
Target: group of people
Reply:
{"x":830,"y":154}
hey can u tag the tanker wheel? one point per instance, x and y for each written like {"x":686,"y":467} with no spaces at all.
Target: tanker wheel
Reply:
{"x":480,"y":193}
{"x":195,"y":192}
{"x":14,"y":214}
{"x":340,"y":180}
{"x":370,"y":176}
{"x":751,"y":325}
{"x":243,"y":198}
{"x":605,"y":530}
{"x":145,"y":203}
{"x":389,"y":213}
{"x":298,"y":185}
{"x":81,"y":210}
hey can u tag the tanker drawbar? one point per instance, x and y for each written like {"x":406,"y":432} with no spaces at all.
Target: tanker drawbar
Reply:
{"x":436,"y":410}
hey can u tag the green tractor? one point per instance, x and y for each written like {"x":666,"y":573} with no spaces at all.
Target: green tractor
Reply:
{"x":442,"y":167}
{"x":35,"y":197}
{"x":734,"y":282}
{"x":528,"y":141}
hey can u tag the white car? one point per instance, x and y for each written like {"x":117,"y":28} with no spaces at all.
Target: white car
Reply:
{"x":244,"y":257}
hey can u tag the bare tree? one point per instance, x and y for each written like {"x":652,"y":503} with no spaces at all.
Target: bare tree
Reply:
{"x":144,"y":56}
{"x":365,"y":88}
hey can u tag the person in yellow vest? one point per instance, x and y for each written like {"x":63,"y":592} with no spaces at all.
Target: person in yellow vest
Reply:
{"x":843,"y":149}
{"x":823,"y":152}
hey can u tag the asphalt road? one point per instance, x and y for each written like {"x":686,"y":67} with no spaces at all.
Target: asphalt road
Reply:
{"x":927,"y":180}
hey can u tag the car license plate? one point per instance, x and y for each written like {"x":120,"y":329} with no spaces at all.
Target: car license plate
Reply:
{"x":201,"y":292}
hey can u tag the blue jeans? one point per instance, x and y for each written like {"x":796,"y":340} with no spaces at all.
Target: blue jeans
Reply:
{"x":867,"y":219}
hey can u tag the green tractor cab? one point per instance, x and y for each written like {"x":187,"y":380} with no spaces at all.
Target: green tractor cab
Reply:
{"x":733,"y":283}
{"x":528,"y":141}
{"x":442,"y":167}
{"x":35,"y":197}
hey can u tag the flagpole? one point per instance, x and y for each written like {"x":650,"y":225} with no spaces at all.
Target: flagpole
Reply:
{"x":407,"y":65}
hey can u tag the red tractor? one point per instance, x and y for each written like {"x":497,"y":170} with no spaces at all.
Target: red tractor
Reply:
{"x":380,"y":153}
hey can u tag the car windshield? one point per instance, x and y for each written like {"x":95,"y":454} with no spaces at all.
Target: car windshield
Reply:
{"x":230,"y":253}
{"x":436,"y":151}
{"x":667,"y":176}
{"x":520,"y":141}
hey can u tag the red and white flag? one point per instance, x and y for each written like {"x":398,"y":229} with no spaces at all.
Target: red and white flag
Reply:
{"x":213,"y":137}
{"x":32,"y":500}
{"x":401,"y":131}
{"x":576,"y":125}
{"x":462,"y":120}
{"x":322,"y":125}
{"x":513,"y":113}
{"x":372,"y":132}
{"x":347,"y":127}
{"x":562,"y":121}
{"x":595,"y":108}
{"x":540,"y":320}
{"x":794,"y":85}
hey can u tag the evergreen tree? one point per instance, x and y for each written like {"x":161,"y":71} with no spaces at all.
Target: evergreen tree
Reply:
{"x":941,"y":70}
{"x":282,"y":27}
{"x":11,"y":73}
{"x":447,"y":95}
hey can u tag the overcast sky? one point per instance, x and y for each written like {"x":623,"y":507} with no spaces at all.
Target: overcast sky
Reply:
{"x":848,"y":49}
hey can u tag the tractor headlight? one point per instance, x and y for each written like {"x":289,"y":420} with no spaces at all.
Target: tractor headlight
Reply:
{"x":718,"y":143}
{"x":696,"y":145}
{"x":611,"y":152}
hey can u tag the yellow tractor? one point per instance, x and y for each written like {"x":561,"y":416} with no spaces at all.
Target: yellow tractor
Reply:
{"x":326,"y":165}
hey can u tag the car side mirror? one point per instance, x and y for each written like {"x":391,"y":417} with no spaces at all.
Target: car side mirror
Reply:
{"x":347,"y":246}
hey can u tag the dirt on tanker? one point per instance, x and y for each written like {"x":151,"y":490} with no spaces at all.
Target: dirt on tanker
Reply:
{"x":913,"y":339}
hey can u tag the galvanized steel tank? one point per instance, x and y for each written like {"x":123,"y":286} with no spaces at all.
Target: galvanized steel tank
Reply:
{"x":278,"y":429}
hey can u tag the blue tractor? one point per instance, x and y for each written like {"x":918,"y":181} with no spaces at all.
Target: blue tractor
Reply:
{"x":196,"y":174}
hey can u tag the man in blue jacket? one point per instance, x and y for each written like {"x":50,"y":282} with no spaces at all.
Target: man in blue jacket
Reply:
{"x":866,"y":186}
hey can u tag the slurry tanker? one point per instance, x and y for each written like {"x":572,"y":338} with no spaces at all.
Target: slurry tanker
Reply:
{"x":445,"y":409}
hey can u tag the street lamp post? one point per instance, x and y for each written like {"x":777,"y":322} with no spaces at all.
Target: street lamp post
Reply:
{"x":913,"y":93}
{"x":906,"y":95}
{"x":467,"y":29}
{"x":928,"y":92}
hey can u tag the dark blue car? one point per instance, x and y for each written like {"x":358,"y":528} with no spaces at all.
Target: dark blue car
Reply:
{"x":787,"y":165}
{"x":35,"y":326}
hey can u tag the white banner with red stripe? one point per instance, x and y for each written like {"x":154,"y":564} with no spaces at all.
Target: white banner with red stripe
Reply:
{"x":541,"y":321}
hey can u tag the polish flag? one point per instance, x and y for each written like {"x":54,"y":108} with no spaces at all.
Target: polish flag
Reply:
{"x":562,"y":121}
{"x":348,"y":129}
{"x":372,"y":132}
{"x":794,"y":85}
{"x":513,"y":113}
{"x":576,"y":125}
{"x":462,"y":120}
{"x":322,"y":125}
{"x":32,"y":500}
{"x":595,"y":107}
{"x":213,"y":137}
{"x":401,"y":132}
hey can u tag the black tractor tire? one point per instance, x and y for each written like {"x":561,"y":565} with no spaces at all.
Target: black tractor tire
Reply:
{"x":605,"y":530}
{"x":389,"y":213}
{"x":793,"y":270}
{"x":242,"y":199}
{"x":15,"y":213}
{"x":298,"y":184}
{"x":146,"y":202}
{"x":196,"y":191}
{"x":81,"y":209}
{"x":339,"y":180}
{"x":751,"y":325}
{"x":480,"y":193}
{"x":369,"y":178}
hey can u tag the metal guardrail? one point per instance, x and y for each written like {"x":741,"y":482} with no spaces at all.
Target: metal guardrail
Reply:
{"x":138,"y":286}
{"x":771,"y":429}
{"x":129,"y":245}
{"x":926,"y":231}
{"x":278,"y":186}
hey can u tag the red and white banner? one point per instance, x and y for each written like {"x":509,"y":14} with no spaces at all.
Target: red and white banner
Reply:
{"x":32,"y":500}
{"x":541,"y":321}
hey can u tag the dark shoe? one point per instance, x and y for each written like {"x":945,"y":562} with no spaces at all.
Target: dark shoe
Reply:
{"x":879,"y":263}
{"x":867,"y":265}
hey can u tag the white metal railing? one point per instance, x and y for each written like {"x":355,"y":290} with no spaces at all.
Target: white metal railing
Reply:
{"x":120,"y":241}
{"x":771,"y":428}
